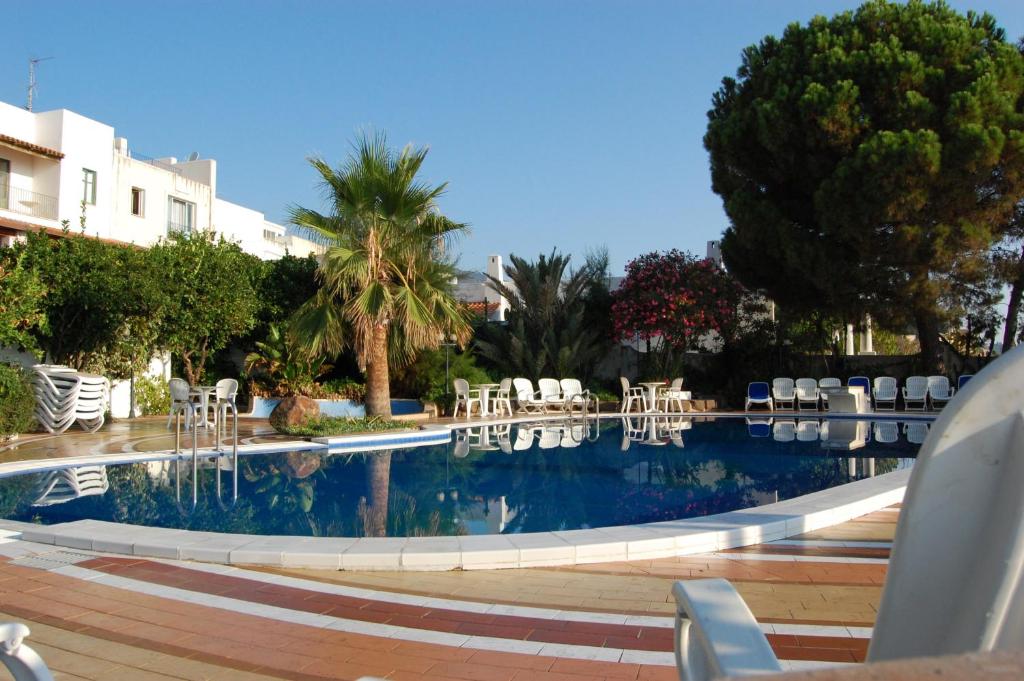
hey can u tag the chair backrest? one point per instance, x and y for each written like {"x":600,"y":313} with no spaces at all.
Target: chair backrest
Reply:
{"x":938,"y":386}
{"x":571,"y":387}
{"x":759,"y":427}
{"x":758,"y":390}
{"x":862,"y":381}
{"x":830,"y":383}
{"x":524,"y":389}
{"x":505,"y":387}
{"x":956,"y":575}
{"x":227,"y":389}
{"x":807,"y":431}
{"x":625,"y":386}
{"x":179,"y":389}
{"x":461,"y":388}
{"x":784,"y":431}
{"x":549,"y":387}
{"x":962,"y":381}
{"x":677,"y":384}
{"x":887,"y":431}
{"x":783,"y":387}
{"x":806,"y":386}
{"x":917,"y":386}
{"x":885,"y":387}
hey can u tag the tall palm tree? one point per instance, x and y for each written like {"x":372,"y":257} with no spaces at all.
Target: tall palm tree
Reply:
{"x":385,"y":280}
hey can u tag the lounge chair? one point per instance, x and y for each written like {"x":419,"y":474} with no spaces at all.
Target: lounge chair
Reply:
{"x":807,"y":393}
{"x":784,"y":392}
{"x":503,"y":397}
{"x":863,"y":382}
{"x":956,"y":574}
{"x":939,"y":391}
{"x":916,"y":432}
{"x":23,"y":662}
{"x":759,"y":427}
{"x":527,"y":398}
{"x":631,"y":395}
{"x":807,"y":430}
{"x":551,"y":393}
{"x":827,"y":383}
{"x":758,"y":393}
{"x":915,"y":393}
{"x":525,"y":436}
{"x":465,"y":397}
{"x":886,"y":392}
{"x":575,"y":397}
{"x":962,"y":381}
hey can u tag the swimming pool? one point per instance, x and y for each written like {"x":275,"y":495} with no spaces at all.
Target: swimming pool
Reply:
{"x":488,"y":480}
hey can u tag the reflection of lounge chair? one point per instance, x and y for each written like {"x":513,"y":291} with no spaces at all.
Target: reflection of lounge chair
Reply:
{"x":524,"y":438}
{"x":887,"y":432}
{"x":784,"y":430}
{"x":67,"y":484}
{"x":573,"y":436}
{"x":550,"y":437}
{"x":916,"y":432}
{"x":807,"y":430}
{"x":956,"y":573}
{"x":504,"y":438}
{"x":461,"y":448}
{"x":759,"y":427}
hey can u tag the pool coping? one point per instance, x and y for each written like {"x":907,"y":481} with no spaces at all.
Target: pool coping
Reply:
{"x":663,"y":539}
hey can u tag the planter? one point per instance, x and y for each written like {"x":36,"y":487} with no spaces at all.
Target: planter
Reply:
{"x":262,"y":406}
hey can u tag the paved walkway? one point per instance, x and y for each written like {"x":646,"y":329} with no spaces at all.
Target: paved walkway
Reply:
{"x":102,"y":617}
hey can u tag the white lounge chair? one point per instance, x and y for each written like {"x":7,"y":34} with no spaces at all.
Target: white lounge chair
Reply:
{"x":916,"y":432}
{"x":551,"y":393}
{"x":807,"y":393}
{"x":807,"y":430}
{"x":757,"y":393}
{"x":466,"y":398}
{"x":886,"y":392}
{"x":528,"y":399}
{"x":915,"y":393}
{"x":956,"y":575}
{"x":64,"y":396}
{"x":939,"y":391}
{"x":827,"y":383}
{"x":784,"y":392}
{"x":23,"y":662}
{"x":632,"y":395}
{"x":575,"y":397}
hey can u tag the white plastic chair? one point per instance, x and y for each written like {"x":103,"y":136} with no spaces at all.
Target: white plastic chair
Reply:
{"x":524,"y":438}
{"x":807,"y":393}
{"x":955,"y":579}
{"x":551,"y":393}
{"x":631,"y":395}
{"x":674,"y":394}
{"x":827,"y":383}
{"x":886,"y":391}
{"x":887,"y":432}
{"x":503,"y":397}
{"x":574,"y":395}
{"x":527,"y":399}
{"x":757,"y":393}
{"x":807,"y":430}
{"x":181,"y":402}
{"x":225,"y":394}
{"x":784,"y":392}
{"x":465,"y":397}
{"x":916,"y":432}
{"x":939,"y":391}
{"x":915,"y":392}
{"x":23,"y":662}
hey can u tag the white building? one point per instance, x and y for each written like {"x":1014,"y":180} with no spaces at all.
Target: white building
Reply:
{"x":479,"y":293}
{"x":52,"y":161}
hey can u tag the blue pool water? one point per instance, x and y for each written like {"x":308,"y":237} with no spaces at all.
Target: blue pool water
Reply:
{"x":555,"y":476}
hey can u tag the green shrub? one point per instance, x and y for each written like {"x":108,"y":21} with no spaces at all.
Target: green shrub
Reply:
{"x":326,"y":426}
{"x":152,"y":395}
{"x":424,"y":379}
{"x":343,"y":389}
{"x":17,"y":403}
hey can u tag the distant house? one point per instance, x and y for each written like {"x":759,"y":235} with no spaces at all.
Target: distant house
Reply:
{"x":479,"y":293}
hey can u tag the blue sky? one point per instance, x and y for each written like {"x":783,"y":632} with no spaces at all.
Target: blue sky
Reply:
{"x":568,"y":124}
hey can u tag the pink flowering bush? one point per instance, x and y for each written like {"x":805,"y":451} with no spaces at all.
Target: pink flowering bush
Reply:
{"x":676,"y":297}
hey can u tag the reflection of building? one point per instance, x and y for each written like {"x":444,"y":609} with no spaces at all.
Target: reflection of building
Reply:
{"x":485,"y":516}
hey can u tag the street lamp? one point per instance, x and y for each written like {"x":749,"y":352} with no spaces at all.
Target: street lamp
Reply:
{"x":448,"y":342}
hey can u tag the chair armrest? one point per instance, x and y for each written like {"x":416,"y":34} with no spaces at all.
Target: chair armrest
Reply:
{"x":23,"y":662}
{"x":716,"y":634}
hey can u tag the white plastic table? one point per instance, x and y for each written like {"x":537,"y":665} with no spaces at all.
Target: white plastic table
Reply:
{"x":652,"y":393}
{"x":203,"y":392}
{"x":485,"y":390}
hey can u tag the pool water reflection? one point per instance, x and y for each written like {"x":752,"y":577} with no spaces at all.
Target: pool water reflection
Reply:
{"x":492,"y":479}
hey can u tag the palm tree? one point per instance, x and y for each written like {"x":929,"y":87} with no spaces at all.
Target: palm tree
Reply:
{"x":385,"y":280}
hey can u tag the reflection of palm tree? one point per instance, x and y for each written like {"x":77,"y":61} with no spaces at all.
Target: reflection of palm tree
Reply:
{"x":378,"y":479}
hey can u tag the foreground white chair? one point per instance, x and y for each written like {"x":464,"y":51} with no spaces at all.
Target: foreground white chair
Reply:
{"x":784,"y":392}
{"x":181,"y":402}
{"x":674,"y":395}
{"x":886,"y":392}
{"x":551,"y":393}
{"x":225,"y":393}
{"x":23,"y":662}
{"x":503,"y":398}
{"x":575,"y":397}
{"x":956,"y":576}
{"x":807,"y":393}
{"x":939,"y":391}
{"x":827,"y":383}
{"x":631,"y":395}
{"x":527,"y":398}
{"x":466,"y":398}
{"x":915,"y":393}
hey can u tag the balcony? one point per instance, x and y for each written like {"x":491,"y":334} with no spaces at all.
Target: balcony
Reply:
{"x":25,"y":202}
{"x":183,"y":227}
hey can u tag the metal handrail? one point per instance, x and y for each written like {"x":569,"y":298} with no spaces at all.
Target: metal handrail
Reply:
{"x":195,"y":408}
{"x":25,"y":202}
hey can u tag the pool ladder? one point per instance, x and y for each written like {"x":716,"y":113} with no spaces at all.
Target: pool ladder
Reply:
{"x":219,"y":454}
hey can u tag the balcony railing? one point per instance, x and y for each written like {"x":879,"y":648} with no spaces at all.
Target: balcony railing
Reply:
{"x":25,"y":202}
{"x":183,"y":227}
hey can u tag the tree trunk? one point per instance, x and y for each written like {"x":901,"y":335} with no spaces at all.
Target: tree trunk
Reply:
{"x":1013,"y":306}
{"x":378,"y":389}
{"x":378,"y":480}
{"x":186,"y":364}
{"x":928,"y":337}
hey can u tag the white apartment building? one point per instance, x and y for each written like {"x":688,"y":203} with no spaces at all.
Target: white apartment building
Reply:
{"x":478,"y":292}
{"x":52,"y":161}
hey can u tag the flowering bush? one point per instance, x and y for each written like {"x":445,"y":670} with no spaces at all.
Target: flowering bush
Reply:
{"x":675,"y":297}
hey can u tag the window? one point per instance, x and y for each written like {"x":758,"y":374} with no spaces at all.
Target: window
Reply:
{"x":270,"y":235}
{"x":5,"y":182}
{"x":89,"y":186}
{"x":180,"y":215}
{"x":138,"y":202}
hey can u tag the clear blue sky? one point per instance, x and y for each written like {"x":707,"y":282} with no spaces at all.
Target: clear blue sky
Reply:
{"x":557,"y":123}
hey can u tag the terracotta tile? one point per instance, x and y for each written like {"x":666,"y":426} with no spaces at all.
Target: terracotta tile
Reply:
{"x":475,"y":672}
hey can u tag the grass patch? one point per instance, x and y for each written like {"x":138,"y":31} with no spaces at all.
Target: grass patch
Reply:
{"x":326,"y":426}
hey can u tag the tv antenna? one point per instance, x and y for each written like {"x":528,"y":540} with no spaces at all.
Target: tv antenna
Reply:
{"x":32,"y":78}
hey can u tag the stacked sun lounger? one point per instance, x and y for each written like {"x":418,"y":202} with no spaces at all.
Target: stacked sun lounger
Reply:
{"x":64,"y":396}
